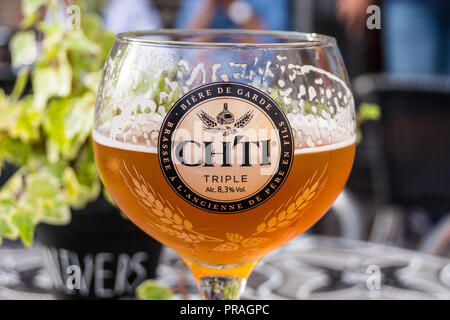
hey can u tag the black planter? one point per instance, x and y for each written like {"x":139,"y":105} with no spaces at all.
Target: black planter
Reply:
{"x":111,"y":254}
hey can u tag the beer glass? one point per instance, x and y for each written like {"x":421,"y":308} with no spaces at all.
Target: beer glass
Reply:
{"x":224,"y":144}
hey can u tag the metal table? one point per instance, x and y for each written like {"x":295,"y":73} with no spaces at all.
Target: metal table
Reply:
{"x":310,"y":267}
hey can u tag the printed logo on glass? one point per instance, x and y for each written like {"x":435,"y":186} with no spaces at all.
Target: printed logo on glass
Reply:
{"x":225,"y":147}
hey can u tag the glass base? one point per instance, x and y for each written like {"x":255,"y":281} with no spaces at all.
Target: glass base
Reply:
{"x":220,"y":282}
{"x":221,"y":287}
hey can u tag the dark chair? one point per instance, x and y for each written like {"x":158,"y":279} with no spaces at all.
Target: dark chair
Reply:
{"x":410,"y":145}
{"x":7,"y":78}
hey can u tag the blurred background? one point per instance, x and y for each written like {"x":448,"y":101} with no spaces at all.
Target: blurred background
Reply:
{"x":393,"y":214}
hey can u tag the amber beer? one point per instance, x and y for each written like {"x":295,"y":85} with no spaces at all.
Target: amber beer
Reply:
{"x":133,"y":177}
{"x":224,"y":150}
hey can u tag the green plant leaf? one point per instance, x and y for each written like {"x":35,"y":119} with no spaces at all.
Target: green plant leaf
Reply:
{"x":47,"y":133}
{"x":78,"y":123}
{"x":52,"y":151}
{"x":68,"y":123}
{"x":85,"y":166}
{"x":11,"y":188}
{"x":91,"y":24}
{"x":52,"y":80}
{"x":20,"y":84}
{"x":82,"y":183}
{"x":10,"y":111}
{"x":92,"y":80}
{"x":41,"y":185}
{"x":7,"y":229}
{"x":52,"y":42}
{"x":20,"y":119}
{"x":43,"y":192}
{"x":76,"y":40}
{"x":14,"y":151}
{"x":72,"y":190}
{"x":151,"y":290}
{"x":28,"y":121}
{"x":54,"y":127}
{"x":56,"y":169}
{"x":24,"y":220}
{"x":55,"y":212}
{"x":23,"y":48}
{"x":369,"y":111}
{"x":30,"y":11}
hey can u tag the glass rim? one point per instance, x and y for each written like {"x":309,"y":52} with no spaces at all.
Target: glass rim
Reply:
{"x":293,"y":39}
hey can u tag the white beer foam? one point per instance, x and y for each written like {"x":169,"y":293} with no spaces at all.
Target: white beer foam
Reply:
{"x":318,"y":104}
{"x":101,"y":139}
{"x":114,"y":143}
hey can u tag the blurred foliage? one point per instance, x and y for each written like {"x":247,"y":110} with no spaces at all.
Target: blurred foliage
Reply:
{"x":151,"y":290}
{"x":366,"y":112}
{"x":47,"y":133}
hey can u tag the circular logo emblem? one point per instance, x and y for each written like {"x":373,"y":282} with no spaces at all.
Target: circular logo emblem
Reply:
{"x":225,"y":147}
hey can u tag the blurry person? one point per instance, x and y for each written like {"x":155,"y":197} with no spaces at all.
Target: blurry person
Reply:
{"x":232,"y":14}
{"x":416,"y":36}
{"x":121,"y":16}
{"x":415,"y":33}
{"x":131,"y":15}
{"x":352,"y":13}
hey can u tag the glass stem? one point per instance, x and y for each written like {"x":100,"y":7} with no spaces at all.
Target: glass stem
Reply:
{"x":221,"y":287}
{"x":221,"y":282}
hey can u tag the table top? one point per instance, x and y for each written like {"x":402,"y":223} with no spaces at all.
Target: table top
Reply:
{"x":309,"y":267}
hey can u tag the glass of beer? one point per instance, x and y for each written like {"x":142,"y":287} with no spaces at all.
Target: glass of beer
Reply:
{"x":224,"y":144}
